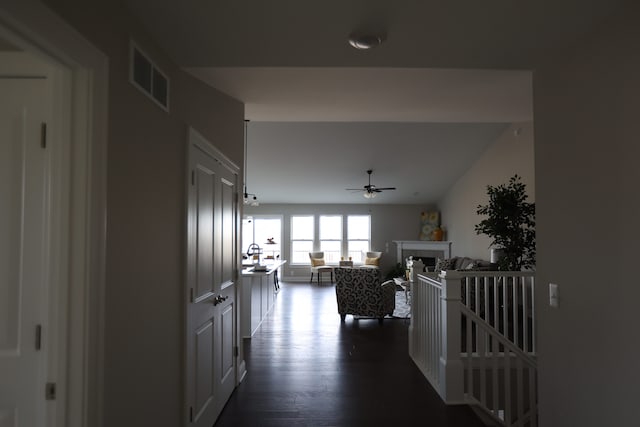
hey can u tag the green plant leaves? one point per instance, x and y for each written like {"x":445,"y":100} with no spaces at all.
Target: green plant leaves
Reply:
{"x":510,"y":223}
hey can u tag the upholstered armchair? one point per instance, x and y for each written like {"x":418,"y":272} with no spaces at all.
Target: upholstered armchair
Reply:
{"x":359,"y":292}
{"x":372,"y":259}
{"x":318,"y":266}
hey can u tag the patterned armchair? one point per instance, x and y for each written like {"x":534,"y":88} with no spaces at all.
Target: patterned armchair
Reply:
{"x":360,"y":293}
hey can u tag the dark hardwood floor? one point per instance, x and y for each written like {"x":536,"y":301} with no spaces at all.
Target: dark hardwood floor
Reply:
{"x":306,"y":368}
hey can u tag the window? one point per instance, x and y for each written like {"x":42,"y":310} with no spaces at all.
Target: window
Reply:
{"x":358,"y":236}
{"x":331,"y":238}
{"x":259,"y":230}
{"x":268,"y":230}
{"x":338,"y":236}
{"x":302,"y":234}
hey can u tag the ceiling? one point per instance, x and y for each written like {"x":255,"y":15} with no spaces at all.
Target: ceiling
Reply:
{"x":418,"y":109}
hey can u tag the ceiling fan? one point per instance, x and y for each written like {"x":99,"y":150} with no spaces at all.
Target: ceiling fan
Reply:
{"x":370,"y":190}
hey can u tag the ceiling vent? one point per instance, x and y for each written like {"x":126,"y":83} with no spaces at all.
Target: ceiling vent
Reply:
{"x":148,"y":78}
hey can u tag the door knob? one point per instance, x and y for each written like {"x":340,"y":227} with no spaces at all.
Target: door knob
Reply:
{"x":217,"y":300}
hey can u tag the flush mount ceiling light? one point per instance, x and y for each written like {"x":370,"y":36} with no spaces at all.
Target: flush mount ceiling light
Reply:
{"x":363,"y":41}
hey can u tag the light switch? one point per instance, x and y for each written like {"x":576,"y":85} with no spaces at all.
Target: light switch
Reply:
{"x":553,"y":295}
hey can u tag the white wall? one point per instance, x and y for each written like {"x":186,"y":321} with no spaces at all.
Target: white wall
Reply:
{"x":586,"y":109}
{"x":146,"y":182}
{"x":388,"y":223}
{"x":511,"y":153}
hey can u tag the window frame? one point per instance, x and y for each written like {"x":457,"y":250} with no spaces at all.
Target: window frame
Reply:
{"x":316,"y":241}
{"x":292,"y":240}
{"x":348,"y":240}
{"x":340,"y":240}
{"x":266,"y":250}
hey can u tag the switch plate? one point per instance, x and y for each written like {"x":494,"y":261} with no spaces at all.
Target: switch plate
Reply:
{"x":553,"y":295}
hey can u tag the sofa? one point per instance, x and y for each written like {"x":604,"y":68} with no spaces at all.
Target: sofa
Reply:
{"x":463,"y":264}
{"x":361,"y":292}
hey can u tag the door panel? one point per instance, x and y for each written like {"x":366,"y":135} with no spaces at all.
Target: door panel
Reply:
{"x":204,"y":381}
{"x":211,"y":271}
{"x":205,"y":187}
{"x":227,"y":359}
{"x":201,"y":312}
{"x":228,"y":231}
{"x":23,"y":231}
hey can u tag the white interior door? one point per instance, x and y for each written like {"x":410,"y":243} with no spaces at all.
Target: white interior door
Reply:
{"x":23,"y":254}
{"x":211,"y":287}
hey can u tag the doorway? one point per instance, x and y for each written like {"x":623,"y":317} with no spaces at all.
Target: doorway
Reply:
{"x":69,"y":273}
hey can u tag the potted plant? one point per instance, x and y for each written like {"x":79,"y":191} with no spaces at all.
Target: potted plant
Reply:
{"x":511,"y":224}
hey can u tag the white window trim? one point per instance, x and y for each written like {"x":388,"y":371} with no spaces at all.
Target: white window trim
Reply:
{"x":312,"y":240}
{"x":346,"y":235}
{"x":342,"y":234}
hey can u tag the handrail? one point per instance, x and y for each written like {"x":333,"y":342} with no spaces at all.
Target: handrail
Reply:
{"x":431,"y":279}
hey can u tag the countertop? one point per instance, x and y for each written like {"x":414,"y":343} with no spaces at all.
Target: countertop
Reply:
{"x":271,"y":267}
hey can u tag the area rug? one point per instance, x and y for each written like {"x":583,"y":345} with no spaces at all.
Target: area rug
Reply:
{"x":402,"y":310}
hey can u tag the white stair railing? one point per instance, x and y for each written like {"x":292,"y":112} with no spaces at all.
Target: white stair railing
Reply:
{"x":472,"y":335}
{"x":505,"y":300}
{"x":499,"y":376}
{"x":435,"y":311}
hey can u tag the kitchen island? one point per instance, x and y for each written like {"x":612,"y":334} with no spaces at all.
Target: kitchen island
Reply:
{"x":259,"y":289}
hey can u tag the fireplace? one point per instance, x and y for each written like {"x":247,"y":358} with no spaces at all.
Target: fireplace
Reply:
{"x":428,"y":261}
{"x":427,"y":251}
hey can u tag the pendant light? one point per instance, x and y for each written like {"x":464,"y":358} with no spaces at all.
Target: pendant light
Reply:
{"x":249,"y":199}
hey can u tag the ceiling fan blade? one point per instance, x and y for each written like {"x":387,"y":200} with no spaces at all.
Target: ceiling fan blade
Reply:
{"x":370,"y":188}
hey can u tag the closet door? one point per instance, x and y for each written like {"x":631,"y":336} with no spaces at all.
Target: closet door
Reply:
{"x":211,"y":282}
{"x":24,"y":235}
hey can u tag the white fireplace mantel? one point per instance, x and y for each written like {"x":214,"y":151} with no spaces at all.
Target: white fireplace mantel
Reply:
{"x":422,"y":245}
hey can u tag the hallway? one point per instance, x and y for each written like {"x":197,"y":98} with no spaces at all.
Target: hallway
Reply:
{"x":305,"y":368}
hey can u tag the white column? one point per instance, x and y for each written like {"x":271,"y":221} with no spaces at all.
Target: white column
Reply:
{"x":451,"y":367}
{"x":417,"y":306}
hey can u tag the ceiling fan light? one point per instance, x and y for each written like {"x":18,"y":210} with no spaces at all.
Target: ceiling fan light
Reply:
{"x":369,"y":195}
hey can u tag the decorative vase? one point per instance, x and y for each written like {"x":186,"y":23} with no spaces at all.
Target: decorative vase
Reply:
{"x":436,"y":234}
{"x":496,"y":255}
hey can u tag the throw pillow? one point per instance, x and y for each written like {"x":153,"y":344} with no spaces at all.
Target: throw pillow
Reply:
{"x":445,"y":264}
{"x":317,"y":262}
{"x":372,"y":261}
{"x":463,"y":263}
